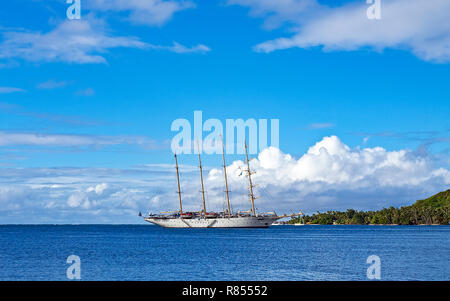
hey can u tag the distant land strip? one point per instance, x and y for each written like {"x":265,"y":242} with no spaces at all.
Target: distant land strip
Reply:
{"x":434,"y":210}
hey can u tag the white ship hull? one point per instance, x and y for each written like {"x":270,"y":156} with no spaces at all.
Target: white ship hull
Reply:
{"x":220,"y":222}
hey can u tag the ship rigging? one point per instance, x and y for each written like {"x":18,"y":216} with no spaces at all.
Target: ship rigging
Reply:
{"x":226,"y":219}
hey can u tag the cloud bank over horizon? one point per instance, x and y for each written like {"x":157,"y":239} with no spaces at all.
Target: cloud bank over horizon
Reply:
{"x":332,"y":176}
{"x":329,"y":176}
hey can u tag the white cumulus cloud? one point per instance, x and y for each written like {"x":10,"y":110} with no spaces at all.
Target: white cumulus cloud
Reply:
{"x":82,"y":41}
{"x":79,"y":41}
{"x":332,"y":171}
{"x":99,"y":189}
{"x":420,"y":26}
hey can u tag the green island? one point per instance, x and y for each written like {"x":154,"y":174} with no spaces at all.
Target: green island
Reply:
{"x":434,"y":210}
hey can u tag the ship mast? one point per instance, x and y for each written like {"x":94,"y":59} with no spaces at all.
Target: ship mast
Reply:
{"x":201,"y":178}
{"x":178,"y":180}
{"x":250,"y":187}
{"x":226,"y":180}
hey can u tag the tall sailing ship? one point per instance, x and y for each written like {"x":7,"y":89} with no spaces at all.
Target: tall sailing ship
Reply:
{"x":226,"y":219}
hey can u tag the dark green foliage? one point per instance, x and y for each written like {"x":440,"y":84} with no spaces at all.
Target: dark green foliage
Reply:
{"x":434,"y":210}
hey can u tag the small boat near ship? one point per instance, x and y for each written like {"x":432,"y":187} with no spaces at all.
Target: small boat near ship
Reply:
{"x":226,"y":219}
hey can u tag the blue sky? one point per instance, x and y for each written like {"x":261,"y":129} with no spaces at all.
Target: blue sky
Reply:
{"x":100,"y":93}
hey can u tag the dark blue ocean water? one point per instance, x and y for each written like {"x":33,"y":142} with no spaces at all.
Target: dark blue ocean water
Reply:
{"x":145,"y":252}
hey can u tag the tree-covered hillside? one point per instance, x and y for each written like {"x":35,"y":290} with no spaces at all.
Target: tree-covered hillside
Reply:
{"x":433,"y":210}
{"x":440,"y":200}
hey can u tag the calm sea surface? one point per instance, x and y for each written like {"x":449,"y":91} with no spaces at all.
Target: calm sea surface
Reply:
{"x":145,"y":252}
